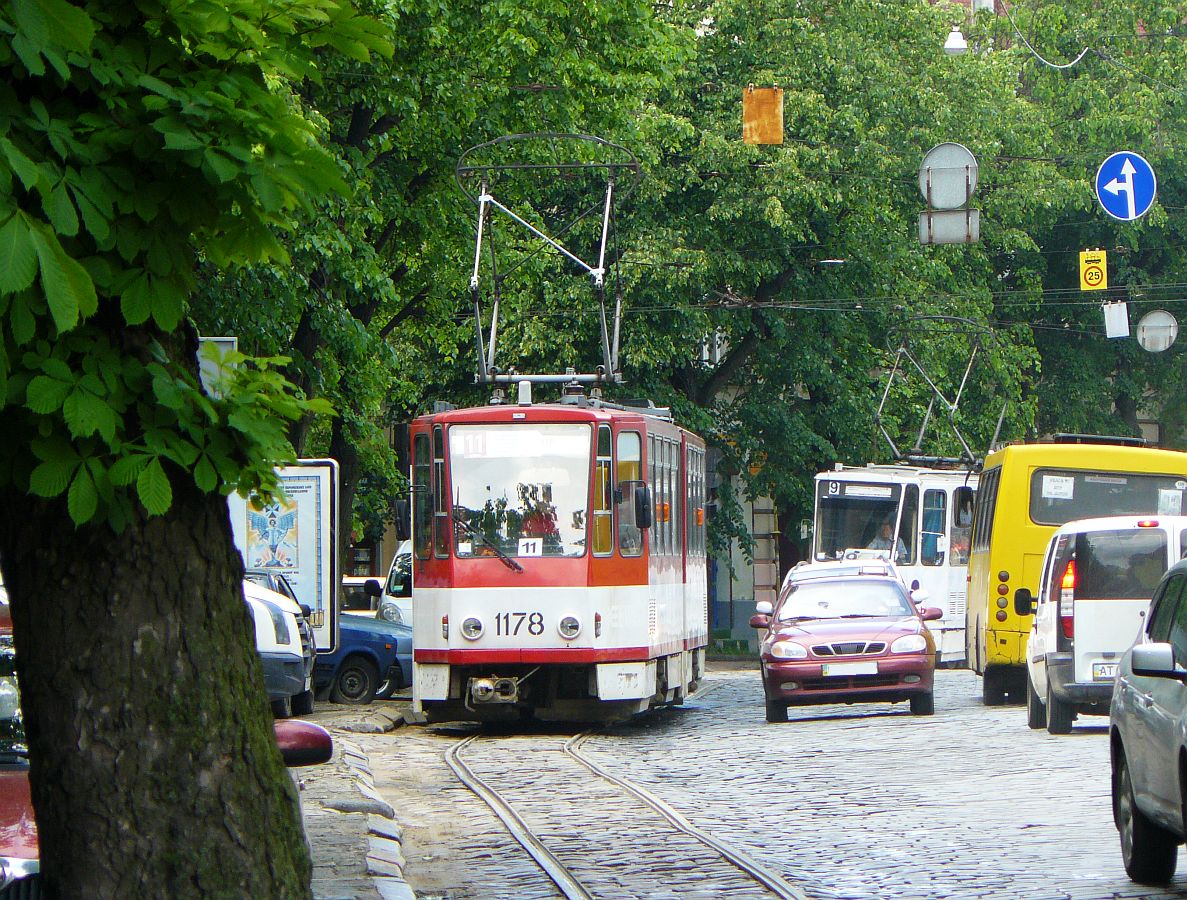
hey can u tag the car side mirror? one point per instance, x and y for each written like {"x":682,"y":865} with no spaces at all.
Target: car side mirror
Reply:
{"x":918,"y":595}
{"x":931,"y":613}
{"x":372,"y":587}
{"x":306,"y":610}
{"x":760,"y":620}
{"x":764,"y":607}
{"x":1024,"y":603}
{"x":302,"y":743}
{"x":1156,"y":661}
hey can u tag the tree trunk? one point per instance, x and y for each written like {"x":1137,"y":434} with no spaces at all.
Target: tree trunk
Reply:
{"x":154,"y":767}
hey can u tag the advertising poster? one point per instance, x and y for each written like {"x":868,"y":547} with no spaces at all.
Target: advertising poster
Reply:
{"x":296,"y":535}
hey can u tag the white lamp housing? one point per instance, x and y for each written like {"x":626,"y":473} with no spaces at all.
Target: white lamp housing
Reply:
{"x":956,"y":44}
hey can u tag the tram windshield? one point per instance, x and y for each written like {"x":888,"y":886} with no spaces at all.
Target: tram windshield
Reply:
{"x":520,"y":490}
{"x":851,"y":515}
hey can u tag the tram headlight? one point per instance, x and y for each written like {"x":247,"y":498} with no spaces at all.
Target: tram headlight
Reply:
{"x":569,"y":627}
{"x":788,"y":650}
{"x":472,"y":628}
{"x":911,"y":643}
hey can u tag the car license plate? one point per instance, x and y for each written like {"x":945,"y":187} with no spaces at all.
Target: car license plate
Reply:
{"x":1104,"y":671}
{"x":854,"y":668}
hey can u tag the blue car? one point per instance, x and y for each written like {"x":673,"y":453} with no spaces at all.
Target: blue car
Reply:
{"x":373,"y":659}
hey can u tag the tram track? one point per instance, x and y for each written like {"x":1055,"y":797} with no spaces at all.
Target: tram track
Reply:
{"x":600,"y":836}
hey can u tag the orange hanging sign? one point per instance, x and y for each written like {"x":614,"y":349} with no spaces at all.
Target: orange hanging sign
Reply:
{"x":762,"y":115}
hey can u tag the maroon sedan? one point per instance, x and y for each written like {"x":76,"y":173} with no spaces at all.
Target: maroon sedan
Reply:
{"x":850,"y":639}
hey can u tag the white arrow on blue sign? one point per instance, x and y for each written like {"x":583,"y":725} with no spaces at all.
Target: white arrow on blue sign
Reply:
{"x":1125,"y":186}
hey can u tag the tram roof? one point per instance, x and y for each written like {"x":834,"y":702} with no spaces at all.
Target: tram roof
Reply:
{"x":894,"y":472}
{"x":554,"y":413}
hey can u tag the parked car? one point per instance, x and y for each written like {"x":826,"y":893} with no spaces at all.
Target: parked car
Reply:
{"x":1097,"y":579}
{"x":300,"y":743}
{"x":1148,"y":737}
{"x":850,"y":638}
{"x":373,"y":659}
{"x":285,"y":645}
{"x":396,"y":603}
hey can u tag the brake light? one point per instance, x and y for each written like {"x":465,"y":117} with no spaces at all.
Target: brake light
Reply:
{"x":1067,"y":600}
{"x":1148,"y":523}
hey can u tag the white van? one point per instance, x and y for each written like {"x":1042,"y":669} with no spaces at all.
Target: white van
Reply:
{"x":396,"y":603}
{"x":1097,"y":580}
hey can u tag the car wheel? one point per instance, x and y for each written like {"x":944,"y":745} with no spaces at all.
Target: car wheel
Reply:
{"x":1036,"y":713}
{"x":282,"y":708}
{"x":302,"y":704}
{"x":776,"y":711}
{"x":923,"y":705}
{"x":1060,"y":715}
{"x":1150,"y":853}
{"x":356,"y":681}
{"x":391,"y":683}
{"x":993,"y":686}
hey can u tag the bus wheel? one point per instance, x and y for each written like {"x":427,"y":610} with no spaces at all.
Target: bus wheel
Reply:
{"x":1036,"y":713}
{"x":993,"y":686}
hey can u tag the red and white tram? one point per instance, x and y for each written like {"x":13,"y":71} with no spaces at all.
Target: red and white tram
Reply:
{"x":559,"y":561}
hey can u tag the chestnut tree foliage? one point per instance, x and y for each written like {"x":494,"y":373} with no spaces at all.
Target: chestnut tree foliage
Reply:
{"x":138,"y":139}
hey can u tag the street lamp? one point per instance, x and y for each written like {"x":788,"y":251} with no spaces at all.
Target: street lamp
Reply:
{"x":956,"y":44}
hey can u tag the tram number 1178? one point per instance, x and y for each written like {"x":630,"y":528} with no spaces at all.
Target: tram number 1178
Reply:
{"x":510,"y":623}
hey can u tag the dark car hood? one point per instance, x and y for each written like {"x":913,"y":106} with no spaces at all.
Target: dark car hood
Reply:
{"x":368,"y":623}
{"x":829,"y":630}
{"x":18,"y":831}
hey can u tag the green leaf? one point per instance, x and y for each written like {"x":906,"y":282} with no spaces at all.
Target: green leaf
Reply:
{"x":125,"y":469}
{"x":224,"y":169}
{"x":152,"y":486}
{"x":83,"y":499}
{"x":59,"y":209}
{"x":136,"y":301}
{"x":24,"y":167}
{"x":68,"y":288}
{"x":168,"y":303}
{"x":51,"y":23}
{"x":204,"y":475}
{"x":52,"y":477}
{"x":85,"y":414}
{"x":46,"y":395}
{"x":18,"y":257}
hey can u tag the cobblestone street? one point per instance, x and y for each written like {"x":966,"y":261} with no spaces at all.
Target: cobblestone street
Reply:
{"x":844,"y":802}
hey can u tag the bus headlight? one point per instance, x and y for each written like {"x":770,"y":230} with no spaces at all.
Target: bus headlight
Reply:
{"x":911,"y":643}
{"x":788,"y":650}
{"x":569,"y":627}
{"x":472,"y":628}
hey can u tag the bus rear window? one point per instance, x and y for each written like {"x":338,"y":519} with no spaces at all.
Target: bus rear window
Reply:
{"x":1058,"y":496}
{"x":1125,"y":564}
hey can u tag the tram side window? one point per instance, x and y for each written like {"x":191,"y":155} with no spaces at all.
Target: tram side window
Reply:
{"x":908,"y":525}
{"x":935,"y":520}
{"x":679,"y":476}
{"x":441,"y":527}
{"x":630,"y":477}
{"x":962,"y":526}
{"x":422,"y":500}
{"x":603,"y":516}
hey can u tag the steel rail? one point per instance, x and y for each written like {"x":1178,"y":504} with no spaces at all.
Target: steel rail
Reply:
{"x":519,"y":829}
{"x":732,"y":855}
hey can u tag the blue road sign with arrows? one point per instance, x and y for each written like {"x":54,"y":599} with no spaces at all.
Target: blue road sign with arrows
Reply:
{"x":1125,"y":186}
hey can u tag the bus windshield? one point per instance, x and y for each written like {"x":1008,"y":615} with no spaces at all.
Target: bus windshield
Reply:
{"x":520,"y":490}
{"x":1058,"y":496}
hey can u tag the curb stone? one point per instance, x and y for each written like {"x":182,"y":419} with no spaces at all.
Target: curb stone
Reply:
{"x":354,"y":837}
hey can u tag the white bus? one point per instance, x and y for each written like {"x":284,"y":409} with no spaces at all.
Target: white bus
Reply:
{"x":929,"y":514}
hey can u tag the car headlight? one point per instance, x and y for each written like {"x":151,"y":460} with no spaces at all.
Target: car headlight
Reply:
{"x":472,"y":628}
{"x":788,"y":650}
{"x":911,"y":643}
{"x":569,"y":627}
{"x":280,"y":625}
{"x":391,"y":613}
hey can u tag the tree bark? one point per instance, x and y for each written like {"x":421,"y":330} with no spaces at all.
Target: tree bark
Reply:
{"x":154,"y":767}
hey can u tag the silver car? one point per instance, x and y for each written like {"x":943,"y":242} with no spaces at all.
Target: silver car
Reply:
{"x":1148,"y":736}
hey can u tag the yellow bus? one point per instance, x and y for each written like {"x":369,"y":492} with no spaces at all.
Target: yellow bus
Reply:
{"x":1026,"y":492}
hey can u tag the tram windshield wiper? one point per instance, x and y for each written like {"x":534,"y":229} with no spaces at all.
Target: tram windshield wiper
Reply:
{"x":506,"y":560}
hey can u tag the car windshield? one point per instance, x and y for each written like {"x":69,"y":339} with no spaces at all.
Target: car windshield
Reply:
{"x":844,"y":598}
{"x":12,"y":726}
{"x":520,"y":490}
